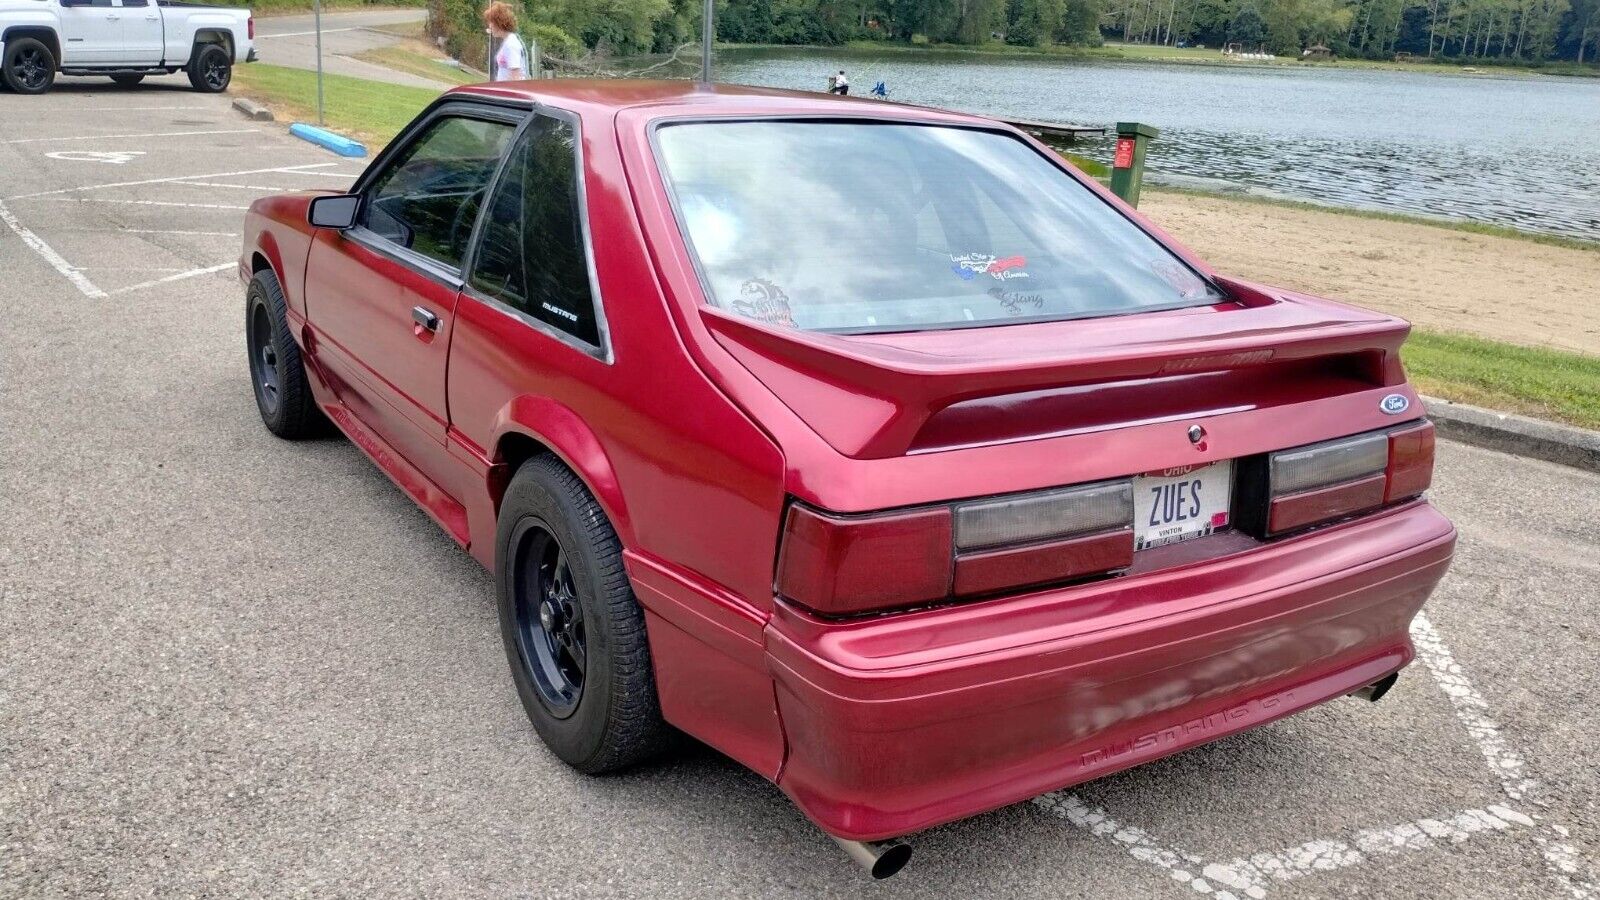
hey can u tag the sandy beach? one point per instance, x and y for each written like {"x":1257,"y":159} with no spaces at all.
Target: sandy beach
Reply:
{"x":1440,"y":279}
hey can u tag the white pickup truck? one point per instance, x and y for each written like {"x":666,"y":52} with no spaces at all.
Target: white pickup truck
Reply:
{"x":124,"y":39}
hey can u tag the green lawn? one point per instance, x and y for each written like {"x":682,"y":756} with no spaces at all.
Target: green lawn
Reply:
{"x":370,"y":110}
{"x":1546,"y":384}
{"x":412,"y":62}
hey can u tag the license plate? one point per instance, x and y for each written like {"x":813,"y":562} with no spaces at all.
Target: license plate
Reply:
{"x":1173,"y":505}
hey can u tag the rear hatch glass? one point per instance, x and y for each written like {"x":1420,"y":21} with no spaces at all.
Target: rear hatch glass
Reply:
{"x":858,"y":227}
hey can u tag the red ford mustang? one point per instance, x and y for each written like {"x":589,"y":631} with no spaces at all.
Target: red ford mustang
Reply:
{"x":873,"y":446}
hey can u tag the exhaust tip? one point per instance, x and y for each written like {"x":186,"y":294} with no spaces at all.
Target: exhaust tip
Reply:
{"x":1375,"y":691}
{"x":880,"y":858}
{"x":892,"y":861}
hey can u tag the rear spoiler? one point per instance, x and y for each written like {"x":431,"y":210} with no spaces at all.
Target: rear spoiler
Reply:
{"x":869,"y":395}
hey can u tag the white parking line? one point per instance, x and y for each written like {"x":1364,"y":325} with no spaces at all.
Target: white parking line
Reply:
{"x":288,"y":170}
{"x":80,"y":109}
{"x":1252,"y":875}
{"x":192,"y":273}
{"x":226,"y":234}
{"x":107,"y":137}
{"x":37,"y":245}
{"x":148,"y":203}
{"x":242,"y":187}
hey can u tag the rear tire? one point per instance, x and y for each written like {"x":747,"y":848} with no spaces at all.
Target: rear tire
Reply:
{"x":127,"y":80}
{"x":277,"y":373}
{"x":28,"y":66}
{"x":561,"y":586}
{"x":211,"y":70}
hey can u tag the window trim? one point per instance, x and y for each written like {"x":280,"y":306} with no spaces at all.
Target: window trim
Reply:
{"x":706,"y":294}
{"x":514,"y":114}
{"x":602,"y":351}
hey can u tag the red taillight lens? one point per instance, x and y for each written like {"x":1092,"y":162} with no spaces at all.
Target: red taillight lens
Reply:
{"x":1321,"y":482}
{"x":1410,"y":461}
{"x":850,"y":564}
{"x":250,"y":27}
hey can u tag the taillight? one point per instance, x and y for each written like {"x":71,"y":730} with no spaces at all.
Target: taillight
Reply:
{"x":1321,"y":482}
{"x":250,"y":27}
{"x":851,"y":564}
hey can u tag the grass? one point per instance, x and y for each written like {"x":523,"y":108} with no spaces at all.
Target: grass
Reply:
{"x":1553,"y":240}
{"x":1546,"y":384}
{"x":370,"y":110}
{"x":416,"y":62}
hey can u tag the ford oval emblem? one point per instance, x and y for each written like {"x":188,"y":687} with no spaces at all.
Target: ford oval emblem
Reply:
{"x":1395,"y":404}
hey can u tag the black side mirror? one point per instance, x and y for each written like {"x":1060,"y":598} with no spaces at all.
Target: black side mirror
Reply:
{"x":334,"y":212}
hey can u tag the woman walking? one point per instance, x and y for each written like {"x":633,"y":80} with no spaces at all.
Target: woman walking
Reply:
{"x":511,"y":60}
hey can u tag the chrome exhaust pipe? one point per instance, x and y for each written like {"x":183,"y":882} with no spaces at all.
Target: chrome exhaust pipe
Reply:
{"x":1377,"y":689}
{"x":881,"y":858}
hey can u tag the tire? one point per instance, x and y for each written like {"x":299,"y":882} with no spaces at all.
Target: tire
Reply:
{"x":211,"y":70}
{"x":611,"y":717}
{"x":28,"y":66}
{"x":277,"y":373}
{"x":127,"y":80}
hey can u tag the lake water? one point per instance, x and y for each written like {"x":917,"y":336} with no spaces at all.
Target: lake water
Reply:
{"x":1509,"y":150}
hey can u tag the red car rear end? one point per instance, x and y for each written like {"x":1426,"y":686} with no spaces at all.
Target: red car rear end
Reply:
{"x":942,"y":479}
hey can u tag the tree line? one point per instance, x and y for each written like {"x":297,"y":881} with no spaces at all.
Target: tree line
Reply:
{"x":1480,"y":31}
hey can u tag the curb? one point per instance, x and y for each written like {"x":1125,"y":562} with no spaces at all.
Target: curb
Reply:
{"x":1519,"y":435}
{"x":253,"y":110}
{"x":326,"y":139}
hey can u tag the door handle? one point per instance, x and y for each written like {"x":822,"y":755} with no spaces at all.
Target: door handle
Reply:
{"x":425,"y":317}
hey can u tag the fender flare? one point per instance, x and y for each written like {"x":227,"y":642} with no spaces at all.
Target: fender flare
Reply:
{"x":267,"y":248}
{"x":560,"y":430}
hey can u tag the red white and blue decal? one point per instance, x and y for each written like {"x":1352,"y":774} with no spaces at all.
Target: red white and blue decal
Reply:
{"x":1001,"y":268}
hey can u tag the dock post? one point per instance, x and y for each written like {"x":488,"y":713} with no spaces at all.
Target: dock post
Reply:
{"x":1127,"y":169}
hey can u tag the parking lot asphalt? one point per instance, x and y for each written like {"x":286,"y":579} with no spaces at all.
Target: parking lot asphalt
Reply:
{"x":233,"y":666}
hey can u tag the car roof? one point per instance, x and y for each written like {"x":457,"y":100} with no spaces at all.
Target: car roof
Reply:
{"x":603,"y":96}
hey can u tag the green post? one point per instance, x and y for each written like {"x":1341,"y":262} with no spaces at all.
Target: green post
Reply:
{"x":1127,"y":169}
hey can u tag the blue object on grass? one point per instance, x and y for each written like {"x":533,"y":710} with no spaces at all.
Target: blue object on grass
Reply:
{"x":322,"y":137}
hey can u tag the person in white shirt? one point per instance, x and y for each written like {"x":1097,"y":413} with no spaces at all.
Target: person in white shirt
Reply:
{"x":841,"y":85}
{"x":511,"y":60}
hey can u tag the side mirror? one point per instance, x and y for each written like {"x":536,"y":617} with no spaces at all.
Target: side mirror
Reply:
{"x":334,"y":212}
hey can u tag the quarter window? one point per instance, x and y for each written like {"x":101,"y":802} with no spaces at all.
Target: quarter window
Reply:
{"x":533,"y":256}
{"x":428,"y":198}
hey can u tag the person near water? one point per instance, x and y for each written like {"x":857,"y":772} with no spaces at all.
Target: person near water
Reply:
{"x":511,"y":59}
{"x":841,"y":85}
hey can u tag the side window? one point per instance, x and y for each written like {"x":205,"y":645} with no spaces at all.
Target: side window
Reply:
{"x":128,"y":4}
{"x":428,"y":197}
{"x":533,"y":256}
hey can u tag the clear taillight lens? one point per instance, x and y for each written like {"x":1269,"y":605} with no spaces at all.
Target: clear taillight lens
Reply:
{"x":1037,"y":517}
{"x":1328,"y":463}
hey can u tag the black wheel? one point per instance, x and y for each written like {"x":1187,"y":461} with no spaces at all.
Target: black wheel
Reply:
{"x":283,"y":393}
{"x":211,"y":70}
{"x":28,"y":66}
{"x":127,"y":80}
{"x":573,"y":630}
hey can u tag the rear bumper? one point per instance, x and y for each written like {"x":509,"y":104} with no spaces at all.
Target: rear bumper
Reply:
{"x":900,"y":723}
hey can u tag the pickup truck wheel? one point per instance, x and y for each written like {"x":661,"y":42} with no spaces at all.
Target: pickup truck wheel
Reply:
{"x":127,"y":80}
{"x":211,"y":70}
{"x":28,"y":66}
{"x":278,"y":375}
{"x":573,"y":630}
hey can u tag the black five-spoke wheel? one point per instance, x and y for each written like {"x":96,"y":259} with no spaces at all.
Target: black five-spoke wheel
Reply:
{"x":264,"y":360}
{"x":28,"y":66}
{"x":32,"y":67}
{"x":550,"y":631}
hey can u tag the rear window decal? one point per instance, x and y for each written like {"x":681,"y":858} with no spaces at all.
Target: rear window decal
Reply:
{"x":764,"y":301}
{"x":1014,"y":301}
{"x":1002,"y":268}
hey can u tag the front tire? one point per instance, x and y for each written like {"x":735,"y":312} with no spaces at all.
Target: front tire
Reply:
{"x":211,"y":70}
{"x":277,"y":373}
{"x":574,"y":632}
{"x":28,"y":66}
{"x":127,"y":80}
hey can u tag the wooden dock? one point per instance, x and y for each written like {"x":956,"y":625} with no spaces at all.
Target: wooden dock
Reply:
{"x":1068,"y":133}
